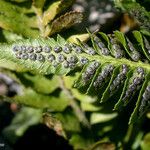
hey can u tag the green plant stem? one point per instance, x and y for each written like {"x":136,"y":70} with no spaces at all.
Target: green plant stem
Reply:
{"x":77,"y":110}
{"x":39,"y":15}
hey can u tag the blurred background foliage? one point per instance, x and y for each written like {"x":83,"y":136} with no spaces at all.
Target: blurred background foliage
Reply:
{"x":79,"y":118}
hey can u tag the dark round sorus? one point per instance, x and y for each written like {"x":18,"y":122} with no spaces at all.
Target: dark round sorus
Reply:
{"x":84,"y":60}
{"x":30,"y":49}
{"x":38,"y":49}
{"x":130,"y":45}
{"x":90,"y":70}
{"x":16,"y":48}
{"x":137,"y":80}
{"x":112,"y":38}
{"x":121,"y":76}
{"x":119,"y":80}
{"x":91,"y":51}
{"x":23,"y":48}
{"x":55,"y":63}
{"x":97,"y":83}
{"x":118,"y":54}
{"x":72,"y":65}
{"x":115,"y":46}
{"x":116,"y":82}
{"x":105,"y":51}
{"x":66,"y":49}
{"x":148,"y":88}
{"x":47,"y":49}
{"x":101,"y":45}
{"x":96,"y":64}
{"x":110,"y":68}
{"x":24,"y":56}
{"x":140,"y":70}
{"x":145,"y":100}
{"x":76,"y":48}
{"x":18,"y":55}
{"x":115,"y":85}
{"x":104,"y":73}
{"x":135,"y":56}
{"x":66,"y":64}
{"x":132,"y":87}
{"x":51,"y":57}
{"x":146,"y":95}
{"x":60,"y":58}
{"x":142,"y":106}
{"x":57,"y":49}
{"x":72,"y":59}
{"x":40,"y":57}
{"x":146,"y":43}
{"x":32,"y":56}
{"x":124,"y":69}
{"x":85,"y":76}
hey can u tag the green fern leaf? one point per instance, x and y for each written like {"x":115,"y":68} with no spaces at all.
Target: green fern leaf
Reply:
{"x":115,"y":65}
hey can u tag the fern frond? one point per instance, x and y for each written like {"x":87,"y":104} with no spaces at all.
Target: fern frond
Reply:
{"x":115,"y":65}
{"x":141,"y":15}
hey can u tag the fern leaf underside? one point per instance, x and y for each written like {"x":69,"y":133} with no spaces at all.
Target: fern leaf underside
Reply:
{"x":114,"y":65}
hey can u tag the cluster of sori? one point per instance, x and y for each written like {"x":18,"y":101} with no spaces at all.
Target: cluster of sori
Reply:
{"x":141,"y":16}
{"x":89,"y":72}
{"x":135,"y":84}
{"x":145,"y":102}
{"x":147,"y":45}
{"x":135,"y":55}
{"x":101,"y":46}
{"x":119,"y":80}
{"x":103,"y":75}
{"x":111,"y":45}
{"x":30,"y":52}
{"x":66,"y":55}
{"x":116,"y":47}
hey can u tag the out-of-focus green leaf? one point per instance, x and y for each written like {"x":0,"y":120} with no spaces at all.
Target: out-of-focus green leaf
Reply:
{"x":103,"y":146}
{"x":80,"y":142}
{"x":16,"y":21}
{"x":69,"y":81}
{"x":137,"y":140}
{"x":145,"y":144}
{"x":89,"y":107}
{"x":10,"y":36}
{"x":63,"y":22}
{"x":69,"y":121}
{"x":26,"y":117}
{"x":42,"y":84}
{"x":34,"y":99}
{"x":38,"y":3}
{"x":19,"y":1}
{"x":99,"y":117}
